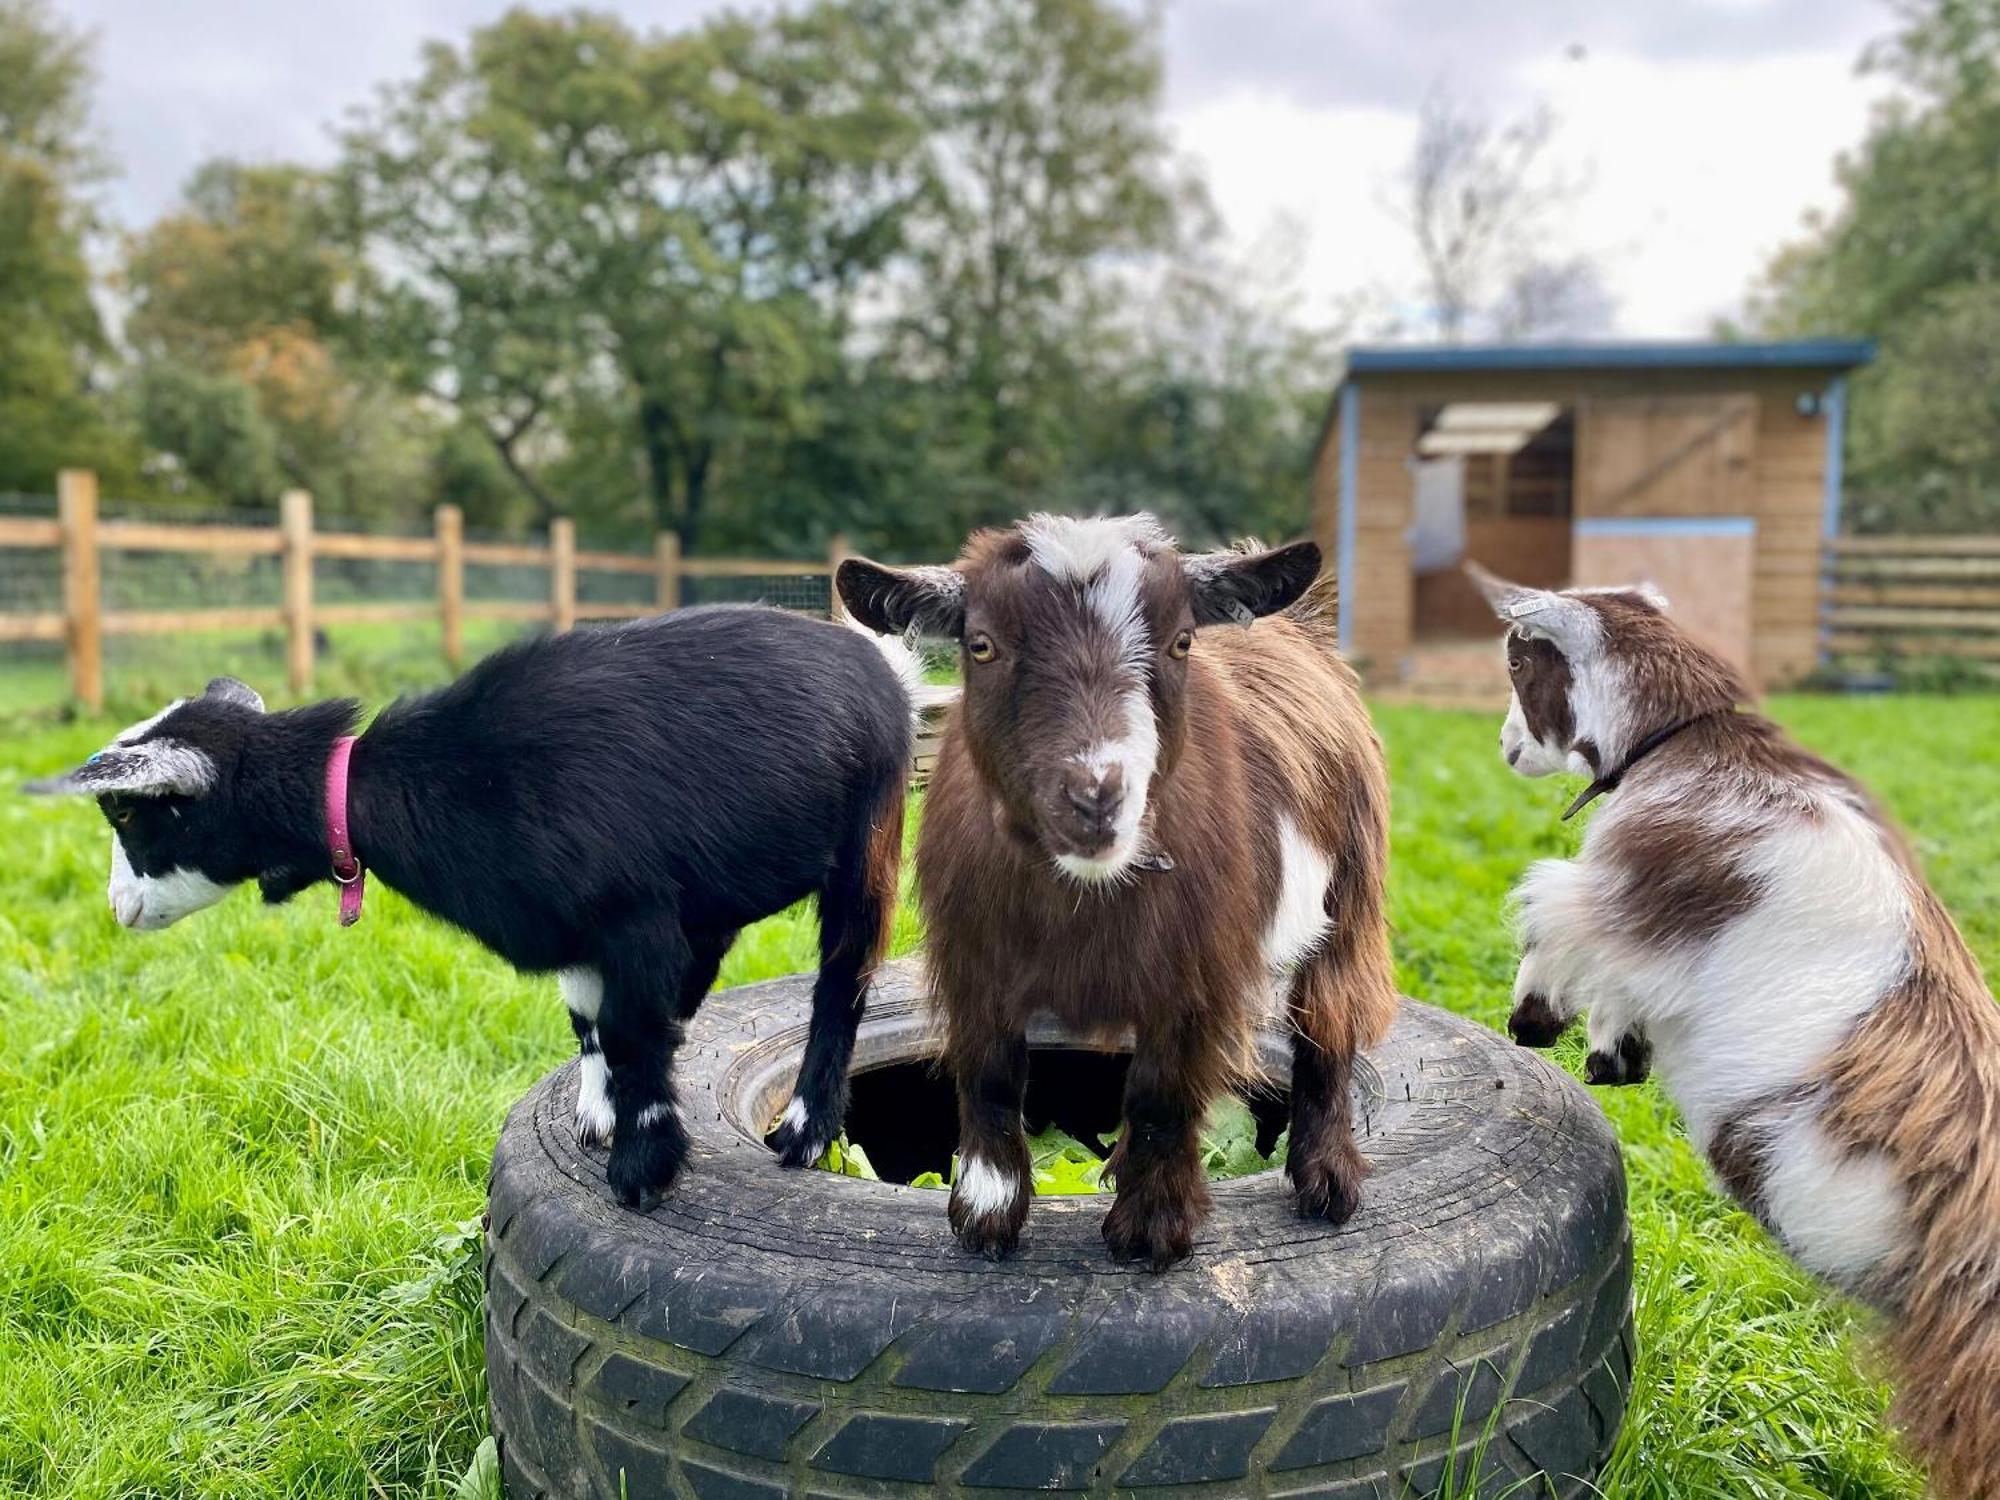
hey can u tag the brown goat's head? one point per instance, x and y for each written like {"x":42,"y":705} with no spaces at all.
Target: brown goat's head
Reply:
{"x":1594,"y":671}
{"x":1074,"y":637}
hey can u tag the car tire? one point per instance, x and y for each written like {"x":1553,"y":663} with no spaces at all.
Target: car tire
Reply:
{"x":766,"y":1332}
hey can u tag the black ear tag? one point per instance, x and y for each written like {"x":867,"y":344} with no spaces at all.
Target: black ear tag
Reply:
{"x":1241,"y":613}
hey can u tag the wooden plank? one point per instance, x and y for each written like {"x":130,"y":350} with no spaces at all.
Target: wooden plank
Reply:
{"x":375,"y":548}
{"x":1854,"y":617}
{"x":613,"y":562}
{"x":29,"y":531}
{"x":1903,"y":546}
{"x":506,"y":554}
{"x":1918,"y":646}
{"x":1922,"y":595}
{"x":751,"y":567}
{"x":1855,"y":569}
{"x":384,"y":613}
{"x":505,"y":609}
{"x":155,"y":536}
{"x":174,"y":621}
{"x":450,"y":524}
{"x":562,"y":572}
{"x":48,"y":626}
{"x":82,"y":585}
{"x":667,"y":570}
{"x":295,"y":521}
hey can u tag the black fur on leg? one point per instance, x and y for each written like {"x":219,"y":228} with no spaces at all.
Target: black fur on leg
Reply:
{"x":1630,"y":1062}
{"x":1535,"y":1022}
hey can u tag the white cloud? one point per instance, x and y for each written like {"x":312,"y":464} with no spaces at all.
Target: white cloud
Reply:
{"x":1707,"y":127}
{"x":1694,"y":170}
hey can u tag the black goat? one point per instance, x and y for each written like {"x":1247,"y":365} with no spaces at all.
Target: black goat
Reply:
{"x":613,"y":804}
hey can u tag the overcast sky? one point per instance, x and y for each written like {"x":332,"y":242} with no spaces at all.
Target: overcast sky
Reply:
{"x":1703,"y":129}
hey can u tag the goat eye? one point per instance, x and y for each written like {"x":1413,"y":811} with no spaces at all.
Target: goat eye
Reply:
{"x":1515,"y":664}
{"x":1182,"y":644}
{"x":122,"y":817}
{"x":979,"y":647}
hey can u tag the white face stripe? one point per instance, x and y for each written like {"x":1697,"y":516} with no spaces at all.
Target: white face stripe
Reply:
{"x":984,"y":1188}
{"x":150,"y":902}
{"x":1107,"y":558}
{"x":1138,"y":753}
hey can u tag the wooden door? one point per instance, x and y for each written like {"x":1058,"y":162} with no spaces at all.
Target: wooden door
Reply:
{"x":1666,"y":455}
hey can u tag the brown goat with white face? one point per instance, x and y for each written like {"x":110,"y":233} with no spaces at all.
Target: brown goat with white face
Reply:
{"x":1138,"y":831}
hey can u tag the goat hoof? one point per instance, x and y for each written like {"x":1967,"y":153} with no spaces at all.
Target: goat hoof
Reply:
{"x":1329,"y":1190}
{"x":994,"y":1235}
{"x":1535,"y":1023}
{"x":1161,"y":1240}
{"x":1632,"y":1062}
{"x":593,"y":1127}
{"x":646,"y":1159}
{"x":799,"y":1140}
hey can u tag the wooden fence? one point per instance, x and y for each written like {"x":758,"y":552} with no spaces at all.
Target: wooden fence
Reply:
{"x":1891,"y":598}
{"x":82,"y":623}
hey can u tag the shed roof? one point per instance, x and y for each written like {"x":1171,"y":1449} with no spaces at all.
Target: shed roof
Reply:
{"x":1672,"y":354}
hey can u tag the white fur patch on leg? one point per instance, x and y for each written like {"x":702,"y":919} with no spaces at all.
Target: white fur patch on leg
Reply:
{"x":795,"y":1114}
{"x":582,"y":991}
{"x":1299,"y":922}
{"x":984,"y":1188}
{"x":593,"y":1100}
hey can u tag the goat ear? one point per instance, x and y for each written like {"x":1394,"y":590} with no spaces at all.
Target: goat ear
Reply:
{"x":151,"y":768}
{"x":1242,"y":586}
{"x":1543,"y":613}
{"x":1510,"y":601}
{"x":1651,"y":593}
{"x":894,"y":601}
{"x":232,"y":690}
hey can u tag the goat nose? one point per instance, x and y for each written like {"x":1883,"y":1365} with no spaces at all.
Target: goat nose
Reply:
{"x":1095,"y":798}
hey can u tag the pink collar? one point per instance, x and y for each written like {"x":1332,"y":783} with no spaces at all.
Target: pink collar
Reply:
{"x":346,"y":865}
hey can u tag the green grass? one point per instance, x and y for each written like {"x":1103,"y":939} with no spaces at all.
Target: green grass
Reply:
{"x":242,"y":1161}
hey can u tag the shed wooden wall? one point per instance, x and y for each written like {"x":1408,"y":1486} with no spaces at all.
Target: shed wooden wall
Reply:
{"x":1787,"y":493}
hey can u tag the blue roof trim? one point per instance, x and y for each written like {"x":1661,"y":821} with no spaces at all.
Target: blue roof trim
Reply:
{"x":1685,"y":354}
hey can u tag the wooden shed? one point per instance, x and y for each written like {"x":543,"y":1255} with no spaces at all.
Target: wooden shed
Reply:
{"x":1711,"y":470}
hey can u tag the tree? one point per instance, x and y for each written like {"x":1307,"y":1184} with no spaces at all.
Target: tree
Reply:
{"x":249,"y":249}
{"x":674,"y":226}
{"x":252,"y":373}
{"x":51,"y":340}
{"x":1213,"y":424}
{"x":1479,"y":197}
{"x":1911,"y":258}
{"x":1053,"y":172}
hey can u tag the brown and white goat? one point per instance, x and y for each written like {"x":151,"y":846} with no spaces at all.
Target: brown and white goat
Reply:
{"x":1139,"y":830}
{"x":1745,"y":917}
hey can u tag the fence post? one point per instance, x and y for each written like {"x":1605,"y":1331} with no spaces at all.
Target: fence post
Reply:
{"x":836,"y":550}
{"x":450,"y":522}
{"x":562,"y":572}
{"x":82,"y":586}
{"x":295,"y":529}
{"x":667,"y":569}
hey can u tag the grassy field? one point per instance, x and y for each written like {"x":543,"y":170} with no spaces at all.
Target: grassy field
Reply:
{"x":242,"y":1161}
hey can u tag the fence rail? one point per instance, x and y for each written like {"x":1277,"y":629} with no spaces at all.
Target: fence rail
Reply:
{"x":81,"y":539}
{"x":1903,"y":597}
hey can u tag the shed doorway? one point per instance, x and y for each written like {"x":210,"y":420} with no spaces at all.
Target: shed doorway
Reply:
{"x":1493,"y":482}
